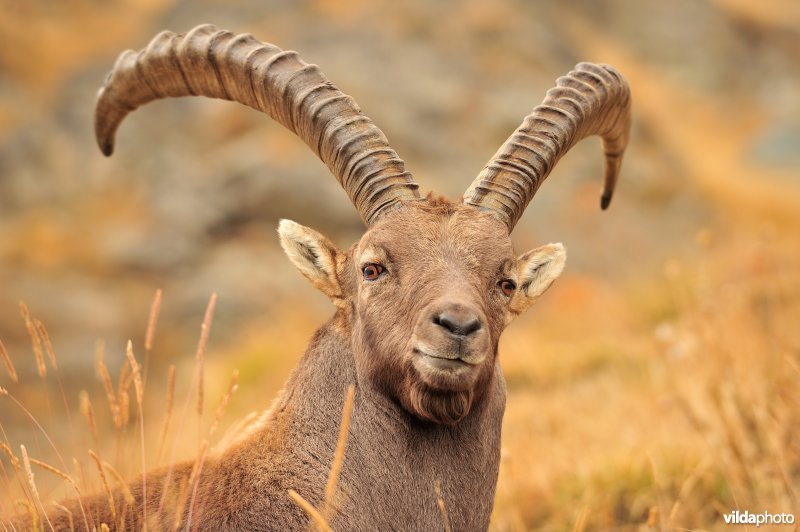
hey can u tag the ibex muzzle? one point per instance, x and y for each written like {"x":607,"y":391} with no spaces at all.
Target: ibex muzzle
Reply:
{"x":421,"y":298}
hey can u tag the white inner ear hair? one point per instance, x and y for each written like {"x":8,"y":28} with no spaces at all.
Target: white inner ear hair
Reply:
{"x":311,"y":253}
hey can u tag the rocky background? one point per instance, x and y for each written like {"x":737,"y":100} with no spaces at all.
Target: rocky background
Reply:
{"x":190,"y":201}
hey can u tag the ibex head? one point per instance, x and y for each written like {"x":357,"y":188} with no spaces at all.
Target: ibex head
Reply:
{"x":426,"y":292}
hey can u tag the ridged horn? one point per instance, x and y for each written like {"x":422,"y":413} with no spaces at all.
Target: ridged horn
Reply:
{"x":219,"y":64}
{"x":590,"y":100}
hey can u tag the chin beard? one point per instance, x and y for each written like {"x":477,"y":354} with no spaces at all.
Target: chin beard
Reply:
{"x":445,"y":408}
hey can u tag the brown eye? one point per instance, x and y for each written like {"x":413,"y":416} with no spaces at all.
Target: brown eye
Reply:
{"x":507,"y":286}
{"x":372,"y":271}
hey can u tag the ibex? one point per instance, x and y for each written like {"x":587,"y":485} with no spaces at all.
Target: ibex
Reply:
{"x":421,"y":300}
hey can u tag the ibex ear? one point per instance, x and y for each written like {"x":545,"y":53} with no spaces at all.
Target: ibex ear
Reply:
{"x":313,"y":254}
{"x":536,"y":271}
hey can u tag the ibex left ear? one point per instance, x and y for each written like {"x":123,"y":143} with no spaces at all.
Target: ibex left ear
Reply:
{"x":536,"y":271}
{"x":313,"y":254}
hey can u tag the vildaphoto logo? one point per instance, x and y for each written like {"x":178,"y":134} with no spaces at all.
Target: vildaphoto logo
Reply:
{"x":736,"y":517}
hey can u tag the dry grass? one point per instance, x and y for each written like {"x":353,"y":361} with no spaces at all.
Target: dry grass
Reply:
{"x":167,"y":411}
{"x":671,"y":410}
{"x":112,"y":435}
{"x":666,"y":414}
{"x":656,"y":402}
{"x":12,"y":372}
{"x":106,"y":486}
{"x":442,"y":506}
{"x":328,"y":506}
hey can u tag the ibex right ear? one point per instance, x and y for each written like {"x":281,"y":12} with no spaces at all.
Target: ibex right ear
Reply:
{"x":313,"y":254}
{"x":537,"y":269}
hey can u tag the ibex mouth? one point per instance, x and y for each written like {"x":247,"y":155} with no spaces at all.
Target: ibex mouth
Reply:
{"x":445,"y":361}
{"x":448,"y":364}
{"x":444,"y":372}
{"x":454,"y":360}
{"x":443,"y":380}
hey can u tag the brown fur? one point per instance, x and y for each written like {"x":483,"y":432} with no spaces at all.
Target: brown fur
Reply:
{"x":412,"y":425}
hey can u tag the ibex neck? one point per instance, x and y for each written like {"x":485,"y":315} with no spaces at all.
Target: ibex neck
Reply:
{"x":393,"y":460}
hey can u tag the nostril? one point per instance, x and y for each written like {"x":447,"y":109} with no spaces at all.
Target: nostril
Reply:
{"x":445,"y":321}
{"x":455,"y":326}
{"x":471,"y":327}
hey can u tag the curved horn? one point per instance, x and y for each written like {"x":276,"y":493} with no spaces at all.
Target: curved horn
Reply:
{"x":590,"y":100}
{"x":214,"y":63}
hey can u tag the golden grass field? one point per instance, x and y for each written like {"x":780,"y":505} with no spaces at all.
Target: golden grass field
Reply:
{"x":674,"y":401}
{"x":656,"y":386}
